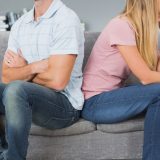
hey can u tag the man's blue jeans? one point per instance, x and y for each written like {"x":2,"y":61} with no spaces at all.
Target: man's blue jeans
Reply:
{"x":23,"y":102}
{"x":124,"y":103}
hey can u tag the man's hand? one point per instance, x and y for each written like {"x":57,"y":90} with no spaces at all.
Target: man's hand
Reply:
{"x":10,"y":72}
{"x":14,"y":60}
{"x":39,"y":67}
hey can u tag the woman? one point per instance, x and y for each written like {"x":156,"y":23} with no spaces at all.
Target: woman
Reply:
{"x":127,"y":45}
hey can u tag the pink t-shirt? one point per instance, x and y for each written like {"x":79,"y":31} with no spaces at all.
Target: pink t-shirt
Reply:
{"x":106,"y":69}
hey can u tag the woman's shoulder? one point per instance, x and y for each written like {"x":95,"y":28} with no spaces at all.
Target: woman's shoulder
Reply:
{"x":119,"y":21}
{"x":119,"y":24}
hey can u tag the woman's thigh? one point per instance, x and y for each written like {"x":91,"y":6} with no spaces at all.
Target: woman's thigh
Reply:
{"x":120,"y":104}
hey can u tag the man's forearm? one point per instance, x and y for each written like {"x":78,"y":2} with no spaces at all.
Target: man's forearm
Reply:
{"x":42,"y":80}
{"x":27,"y":72}
{"x":46,"y":76}
{"x":20,"y":73}
{"x":47,"y":83}
{"x":46,"y":80}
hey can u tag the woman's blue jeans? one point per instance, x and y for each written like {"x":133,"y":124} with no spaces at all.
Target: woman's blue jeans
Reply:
{"x":23,"y":102}
{"x":124,"y":103}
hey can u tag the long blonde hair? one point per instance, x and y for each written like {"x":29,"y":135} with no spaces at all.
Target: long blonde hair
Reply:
{"x":143,"y":16}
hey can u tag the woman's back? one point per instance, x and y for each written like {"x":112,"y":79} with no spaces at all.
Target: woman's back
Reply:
{"x":106,"y":68}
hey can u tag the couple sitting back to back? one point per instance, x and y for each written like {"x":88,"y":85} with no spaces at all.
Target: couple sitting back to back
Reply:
{"x":44,"y":59}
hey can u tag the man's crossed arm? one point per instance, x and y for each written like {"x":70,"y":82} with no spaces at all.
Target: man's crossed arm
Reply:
{"x":53,"y":73}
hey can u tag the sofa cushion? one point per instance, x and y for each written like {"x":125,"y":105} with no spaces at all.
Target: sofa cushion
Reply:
{"x":131,"y":125}
{"x":3,"y":42}
{"x":81,"y":127}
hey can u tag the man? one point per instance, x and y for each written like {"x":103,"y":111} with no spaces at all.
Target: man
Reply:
{"x":42,"y":74}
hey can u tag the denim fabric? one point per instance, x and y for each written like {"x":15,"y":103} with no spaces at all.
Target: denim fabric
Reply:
{"x":124,"y":103}
{"x":24,"y":103}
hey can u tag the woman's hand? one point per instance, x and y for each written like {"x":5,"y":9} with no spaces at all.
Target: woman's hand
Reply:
{"x":14,"y":60}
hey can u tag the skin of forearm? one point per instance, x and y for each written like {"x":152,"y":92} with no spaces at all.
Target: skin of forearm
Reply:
{"x":44,"y":79}
{"x":152,"y":77}
{"x":46,"y":76}
{"x":48,"y":83}
{"x":41,"y":81}
{"x":20,"y":73}
{"x":47,"y":80}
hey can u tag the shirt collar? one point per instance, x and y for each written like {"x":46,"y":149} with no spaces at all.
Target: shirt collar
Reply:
{"x":53,"y":8}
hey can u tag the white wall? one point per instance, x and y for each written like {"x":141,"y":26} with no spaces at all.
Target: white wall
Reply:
{"x":95,"y":13}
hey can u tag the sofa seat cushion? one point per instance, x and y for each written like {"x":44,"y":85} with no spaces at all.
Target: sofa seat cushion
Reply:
{"x":81,"y":127}
{"x":131,"y":125}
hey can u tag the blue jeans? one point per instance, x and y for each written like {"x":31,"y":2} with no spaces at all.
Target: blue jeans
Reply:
{"x":124,"y":103}
{"x":23,"y":102}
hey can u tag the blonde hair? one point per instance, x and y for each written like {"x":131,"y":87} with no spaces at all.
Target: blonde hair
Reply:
{"x":143,"y":16}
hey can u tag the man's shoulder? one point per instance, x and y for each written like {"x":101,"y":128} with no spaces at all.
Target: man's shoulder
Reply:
{"x":66,"y":16}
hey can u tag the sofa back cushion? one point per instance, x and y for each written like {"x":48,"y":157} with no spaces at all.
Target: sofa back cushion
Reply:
{"x":3,"y":42}
{"x":90,"y":39}
{"x":3,"y":45}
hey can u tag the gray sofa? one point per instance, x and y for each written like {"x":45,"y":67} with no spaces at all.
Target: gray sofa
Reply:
{"x":85,"y":140}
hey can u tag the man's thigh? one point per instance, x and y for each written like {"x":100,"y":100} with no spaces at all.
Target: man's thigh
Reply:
{"x":50,"y":109}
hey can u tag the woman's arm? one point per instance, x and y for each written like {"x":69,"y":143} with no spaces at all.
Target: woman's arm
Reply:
{"x":158,"y":64}
{"x":138,"y":66}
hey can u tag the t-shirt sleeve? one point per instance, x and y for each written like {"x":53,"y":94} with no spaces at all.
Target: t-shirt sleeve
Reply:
{"x":121,"y":33}
{"x":66,"y":40}
{"x":13,"y":44}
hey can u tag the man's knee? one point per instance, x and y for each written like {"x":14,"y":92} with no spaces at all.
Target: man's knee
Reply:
{"x":12,"y":91}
